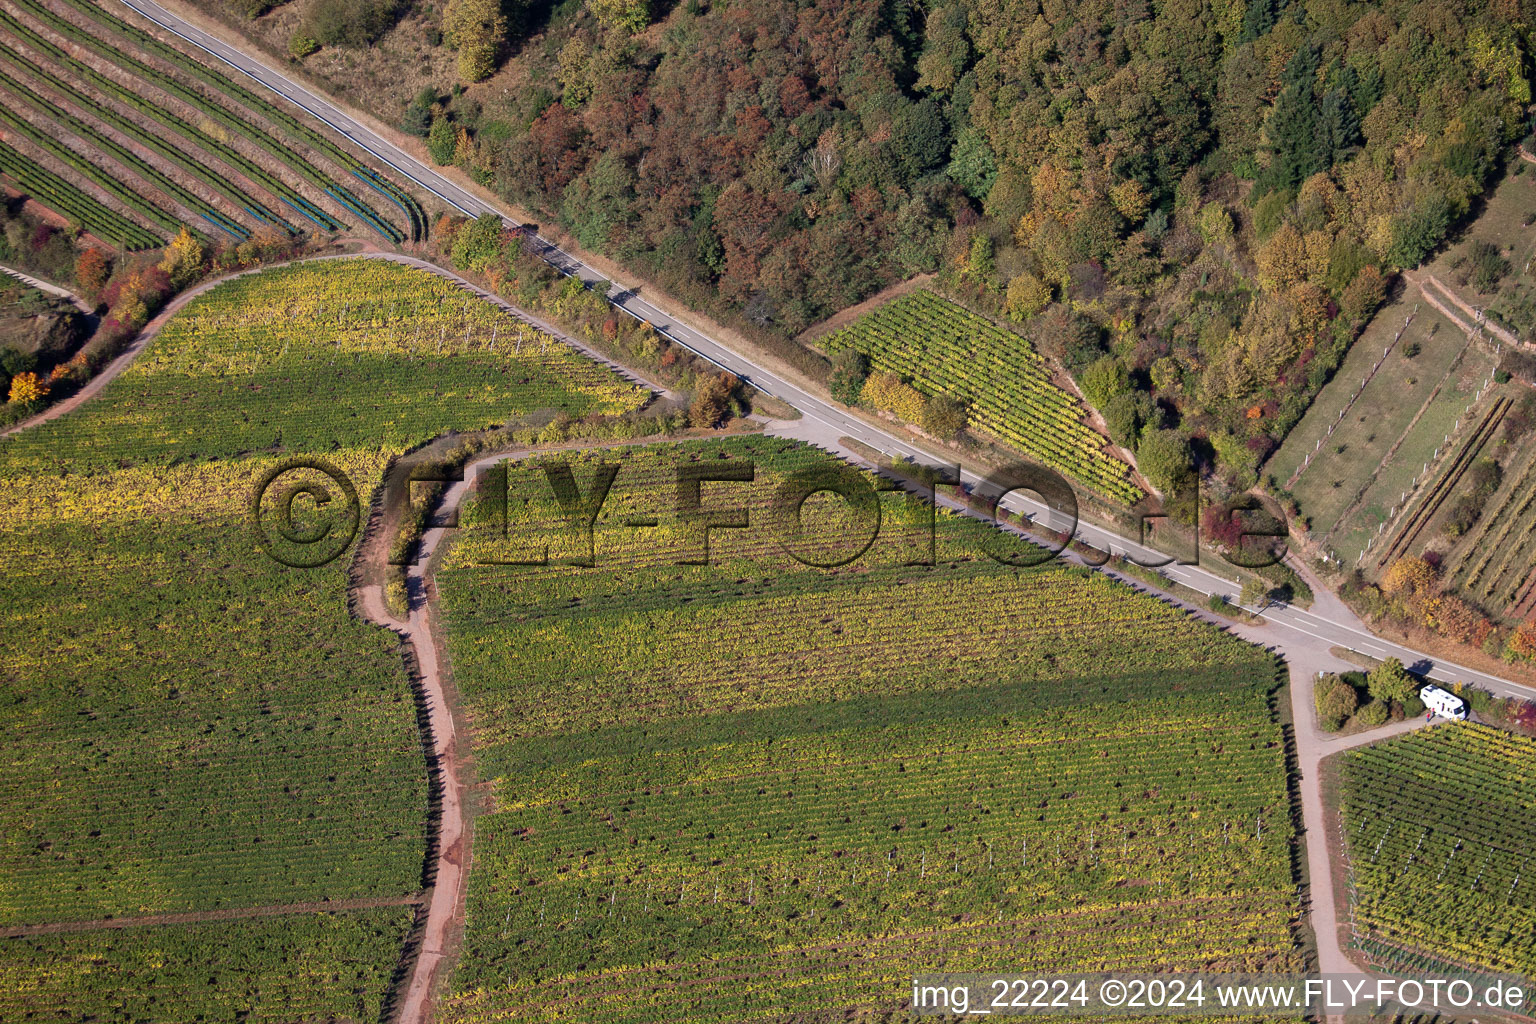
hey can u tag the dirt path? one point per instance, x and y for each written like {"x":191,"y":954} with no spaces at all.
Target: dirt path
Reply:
{"x":197,"y":916}
{"x":49,"y":289}
{"x":1482,"y":322}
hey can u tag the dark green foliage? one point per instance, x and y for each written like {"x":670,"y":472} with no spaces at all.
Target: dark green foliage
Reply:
{"x":441,"y":139}
{"x":1488,"y":265}
{"x":850,"y":368}
{"x":1336,"y":700}
{"x":1164,"y":459}
{"x":478,"y":243}
{"x":417,"y":119}
{"x":1481,"y":483}
{"x":943,"y":416}
{"x":349,"y":22}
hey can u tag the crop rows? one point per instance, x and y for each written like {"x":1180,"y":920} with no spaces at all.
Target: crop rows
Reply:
{"x":1427,"y":872}
{"x":698,"y":820}
{"x":1445,"y":486}
{"x":294,"y":356}
{"x":289,"y":124}
{"x":190,"y":725}
{"x":1504,"y":551}
{"x":102,"y":178}
{"x":945,"y":349}
{"x":124,"y":157}
{"x":278,"y":970}
{"x":218,"y":183}
{"x":870,"y":972}
{"x":59,"y":195}
{"x":751,"y":629}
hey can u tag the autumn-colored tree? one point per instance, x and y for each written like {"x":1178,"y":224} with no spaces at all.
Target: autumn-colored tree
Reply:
{"x":477,"y":29}
{"x":1409,"y":576}
{"x":1455,"y":619}
{"x":623,"y":15}
{"x":889,"y":393}
{"x":464,"y":153}
{"x":712,"y":400}
{"x":183,"y":260}
{"x":27,"y":389}
{"x":92,"y":268}
{"x":1283,"y":259}
{"x":1027,"y":295}
{"x":1131,"y":199}
{"x":1363,"y":294}
{"x":1521,"y":645}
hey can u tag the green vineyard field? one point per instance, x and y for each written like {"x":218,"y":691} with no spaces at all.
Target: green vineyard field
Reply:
{"x":238,"y":112}
{"x":57,"y":194}
{"x":815,"y":781}
{"x":190,"y":725}
{"x":1441,"y":827}
{"x":945,"y":349}
{"x":280,"y":970}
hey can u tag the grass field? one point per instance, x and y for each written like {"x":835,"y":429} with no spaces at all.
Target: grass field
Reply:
{"x":1405,"y":411}
{"x":942,"y":348}
{"x":1431,"y":876}
{"x":189,"y":724}
{"x":684,"y":793}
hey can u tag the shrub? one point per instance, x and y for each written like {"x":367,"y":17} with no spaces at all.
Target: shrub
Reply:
{"x":1373,"y":714}
{"x":301,"y":45}
{"x":1389,"y":681}
{"x":943,"y":416}
{"x":712,"y":400}
{"x":442,"y":140}
{"x":850,"y":369}
{"x":1336,"y":700}
{"x":889,"y":393}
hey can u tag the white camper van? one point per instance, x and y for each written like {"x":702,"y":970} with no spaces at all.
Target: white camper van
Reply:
{"x":1444,"y":703}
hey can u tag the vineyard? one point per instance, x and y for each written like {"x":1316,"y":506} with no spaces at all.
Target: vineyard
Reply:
{"x":304,"y":355}
{"x":59,"y":195}
{"x":191,"y":726}
{"x":312,"y":967}
{"x":1495,"y":567}
{"x":957,"y":772}
{"x":945,"y":349}
{"x":1428,"y":874}
{"x":200,"y":143}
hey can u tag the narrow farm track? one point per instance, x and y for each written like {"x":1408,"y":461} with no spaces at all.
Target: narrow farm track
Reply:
{"x":49,"y":289}
{"x":1303,"y":637}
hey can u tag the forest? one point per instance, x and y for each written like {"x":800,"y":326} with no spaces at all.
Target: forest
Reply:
{"x":1202,"y":200}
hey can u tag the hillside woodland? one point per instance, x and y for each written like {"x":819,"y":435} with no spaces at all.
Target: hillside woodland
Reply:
{"x":1192,"y":204}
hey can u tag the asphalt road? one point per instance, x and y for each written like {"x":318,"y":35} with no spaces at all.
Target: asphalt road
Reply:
{"x":825,"y":422}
